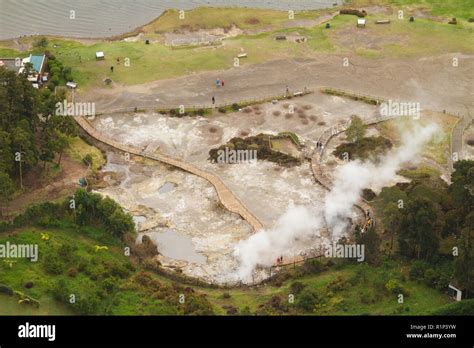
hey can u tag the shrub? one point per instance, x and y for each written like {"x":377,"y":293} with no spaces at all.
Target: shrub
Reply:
{"x":368,"y":194}
{"x":235,"y":107}
{"x":465,"y":307}
{"x":72,"y":272}
{"x":222,"y":110}
{"x":395,"y":288}
{"x":66,"y":252}
{"x":4,"y":289}
{"x":41,"y":42}
{"x":226,"y":295}
{"x":418,"y":269}
{"x":87,"y":159}
{"x":53,"y":264}
{"x":312,"y":267}
{"x":431,"y":277}
{"x":337,"y":284}
{"x":307,"y":300}
{"x":296,"y":287}
{"x":110,"y":284}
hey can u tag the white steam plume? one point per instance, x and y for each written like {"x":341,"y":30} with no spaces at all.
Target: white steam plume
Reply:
{"x":294,"y":227}
{"x":298,"y":225}
{"x":352,"y":178}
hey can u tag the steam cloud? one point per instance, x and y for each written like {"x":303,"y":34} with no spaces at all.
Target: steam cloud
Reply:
{"x":298,"y":225}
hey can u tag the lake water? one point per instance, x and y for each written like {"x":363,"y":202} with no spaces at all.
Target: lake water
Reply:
{"x":103,"y":18}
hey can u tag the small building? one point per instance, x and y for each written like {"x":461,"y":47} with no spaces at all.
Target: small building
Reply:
{"x":360,"y":22}
{"x":455,"y":291}
{"x":13,"y":64}
{"x":38,"y":67}
{"x":99,"y":55}
{"x":37,"y":64}
{"x":71,"y":85}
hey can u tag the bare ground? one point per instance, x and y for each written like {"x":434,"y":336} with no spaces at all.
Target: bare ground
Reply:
{"x":433,"y":82}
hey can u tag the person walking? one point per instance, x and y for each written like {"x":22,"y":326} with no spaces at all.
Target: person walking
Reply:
{"x":222,"y":83}
{"x":213,"y":100}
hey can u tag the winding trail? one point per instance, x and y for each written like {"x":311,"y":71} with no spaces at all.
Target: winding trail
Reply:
{"x":324,"y":139}
{"x":228,"y":199}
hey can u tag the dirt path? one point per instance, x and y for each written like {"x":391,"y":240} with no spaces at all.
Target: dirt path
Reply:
{"x":60,"y":186}
{"x":317,"y":170}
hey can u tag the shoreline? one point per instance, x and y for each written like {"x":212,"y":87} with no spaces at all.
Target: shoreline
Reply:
{"x":139,"y":29}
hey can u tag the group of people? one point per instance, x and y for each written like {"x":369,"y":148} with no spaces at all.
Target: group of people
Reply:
{"x":280,"y":260}
{"x":219,"y":83}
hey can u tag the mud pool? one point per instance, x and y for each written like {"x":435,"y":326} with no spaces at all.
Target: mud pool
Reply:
{"x":181,"y":212}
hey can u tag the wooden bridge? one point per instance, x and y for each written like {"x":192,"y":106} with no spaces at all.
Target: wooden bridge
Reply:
{"x":228,"y":199}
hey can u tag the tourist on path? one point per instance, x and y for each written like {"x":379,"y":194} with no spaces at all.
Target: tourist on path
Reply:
{"x":213,"y":100}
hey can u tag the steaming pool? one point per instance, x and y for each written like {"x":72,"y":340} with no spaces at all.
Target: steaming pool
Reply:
{"x":181,"y":213}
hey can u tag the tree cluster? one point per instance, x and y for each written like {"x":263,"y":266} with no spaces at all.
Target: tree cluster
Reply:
{"x":30,"y":132}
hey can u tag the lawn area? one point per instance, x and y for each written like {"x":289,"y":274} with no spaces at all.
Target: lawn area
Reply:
{"x":420,"y":172}
{"x":157,"y":61}
{"x":23,"y":271}
{"x":446,"y":8}
{"x":211,"y":18}
{"x":78,"y":149}
{"x":400,"y":38}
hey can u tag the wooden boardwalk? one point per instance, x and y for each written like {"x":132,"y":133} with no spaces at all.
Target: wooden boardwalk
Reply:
{"x":316,"y":167}
{"x":228,"y":199}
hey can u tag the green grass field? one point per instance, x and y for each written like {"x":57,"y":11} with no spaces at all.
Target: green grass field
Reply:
{"x":78,"y":149}
{"x":211,"y":18}
{"x":446,"y":8}
{"x":363,"y":290}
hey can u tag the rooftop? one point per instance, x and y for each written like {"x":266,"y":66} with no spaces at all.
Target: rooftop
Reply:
{"x":37,"y":61}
